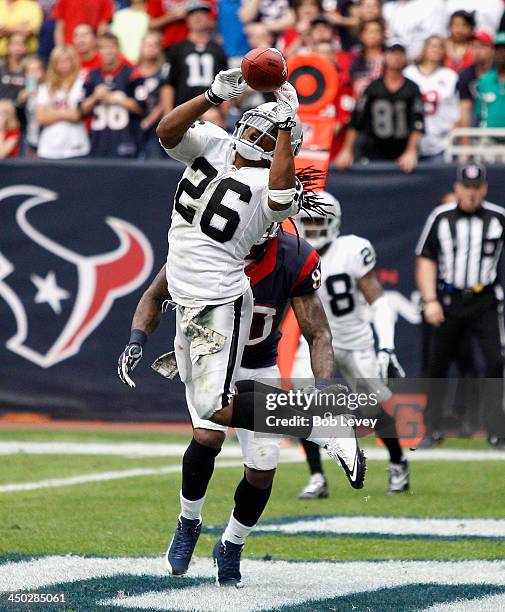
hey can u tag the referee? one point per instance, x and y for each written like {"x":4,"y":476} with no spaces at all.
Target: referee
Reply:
{"x":458,"y":255}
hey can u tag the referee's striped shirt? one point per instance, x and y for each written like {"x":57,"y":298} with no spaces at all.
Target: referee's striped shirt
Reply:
{"x":466,"y":246}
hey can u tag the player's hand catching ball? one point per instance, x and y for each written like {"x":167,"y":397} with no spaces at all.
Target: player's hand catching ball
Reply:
{"x":287,"y":106}
{"x":127,"y":362}
{"x":227,"y":84}
{"x":389,"y":366}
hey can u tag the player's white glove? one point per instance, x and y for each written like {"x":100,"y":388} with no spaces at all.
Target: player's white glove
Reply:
{"x":389,"y":366}
{"x":127,"y":362}
{"x":227,"y":84}
{"x":287,"y":106}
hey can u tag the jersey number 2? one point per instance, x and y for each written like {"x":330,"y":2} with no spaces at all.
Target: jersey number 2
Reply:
{"x":217,"y":231}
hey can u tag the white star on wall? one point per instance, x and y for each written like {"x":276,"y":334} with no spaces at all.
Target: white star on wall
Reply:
{"x":48,"y":291}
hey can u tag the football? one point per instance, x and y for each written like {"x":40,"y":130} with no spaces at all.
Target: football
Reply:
{"x":264,"y":69}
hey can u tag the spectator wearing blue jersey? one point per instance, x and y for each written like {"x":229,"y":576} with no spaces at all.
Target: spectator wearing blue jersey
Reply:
{"x":109,"y":96}
{"x":150,"y":76}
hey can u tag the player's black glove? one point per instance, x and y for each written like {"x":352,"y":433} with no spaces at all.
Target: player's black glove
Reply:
{"x":389,"y":366}
{"x":130,"y":357}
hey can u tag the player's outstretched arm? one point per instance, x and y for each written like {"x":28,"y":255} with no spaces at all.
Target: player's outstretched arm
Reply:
{"x":314,"y":326}
{"x":282,"y":178}
{"x":383,"y":319}
{"x":173,"y":126}
{"x":145,"y":321}
{"x":227,"y":84}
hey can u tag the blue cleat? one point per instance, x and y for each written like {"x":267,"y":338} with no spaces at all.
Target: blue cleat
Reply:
{"x":182,"y":545}
{"x":227,"y":558}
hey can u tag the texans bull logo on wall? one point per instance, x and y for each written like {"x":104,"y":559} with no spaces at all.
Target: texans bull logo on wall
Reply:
{"x":71,"y":293}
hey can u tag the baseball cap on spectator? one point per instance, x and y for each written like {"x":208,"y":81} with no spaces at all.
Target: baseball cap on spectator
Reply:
{"x":484,"y":37}
{"x":396,"y":46}
{"x":499,"y":40}
{"x":197,"y":5}
{"x":472,"y":174}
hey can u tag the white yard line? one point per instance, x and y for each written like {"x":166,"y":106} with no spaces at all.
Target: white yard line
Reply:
{"x":230,"y":450}
{"x":100,"y":476}
{"x":141,"y":449}
{"x":392,"y":526}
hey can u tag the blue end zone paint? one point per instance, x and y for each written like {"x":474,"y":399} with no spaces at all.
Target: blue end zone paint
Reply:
{"x":401,"y":599}
{"x":83,"y":595}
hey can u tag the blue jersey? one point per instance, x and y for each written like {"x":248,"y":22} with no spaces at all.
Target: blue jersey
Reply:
{"x":289,"y":268}
{"x":113,"y":127}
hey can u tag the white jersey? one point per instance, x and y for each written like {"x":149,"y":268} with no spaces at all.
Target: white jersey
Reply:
{"x":441,"y":106}
{"x":410,"y":22}
{"x":219,"y":213}
{"x":62,"y":139}
{"x":346,"y":261}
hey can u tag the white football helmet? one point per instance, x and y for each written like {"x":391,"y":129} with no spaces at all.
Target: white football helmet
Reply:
{"x":262,"y":118}
{"x":317,"y":229}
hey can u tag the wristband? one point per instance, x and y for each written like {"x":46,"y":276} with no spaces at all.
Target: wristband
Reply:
{"x":429,"y":301}
{"x":137,"y":336}
{"x":211,"y":97}
{"x":287,"y":125}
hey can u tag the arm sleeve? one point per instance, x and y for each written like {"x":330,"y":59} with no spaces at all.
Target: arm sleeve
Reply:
{"x":427,"y":245}
{"x":107,"y":11}
{"x":359,"y":115}
{"x":309,"y":275}
{"x":171,"y":78}
{"x":464,"y":87}
{"x":416,"y":120}
{"x":59,"y":10}
{"x":222,"y":61}
{"x":281,"y":215}
{"x":88,"y":87}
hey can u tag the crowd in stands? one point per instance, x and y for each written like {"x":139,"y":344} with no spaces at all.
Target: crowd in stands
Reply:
{"x":92,"y":79}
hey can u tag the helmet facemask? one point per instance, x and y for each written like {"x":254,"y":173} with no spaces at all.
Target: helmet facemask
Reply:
{"x":262,"y":119}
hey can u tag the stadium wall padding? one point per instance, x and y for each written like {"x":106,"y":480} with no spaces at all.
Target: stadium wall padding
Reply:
{"x":79,"y":242}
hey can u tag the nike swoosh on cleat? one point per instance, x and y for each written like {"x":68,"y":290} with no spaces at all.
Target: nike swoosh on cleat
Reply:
{"x":351,"y":474}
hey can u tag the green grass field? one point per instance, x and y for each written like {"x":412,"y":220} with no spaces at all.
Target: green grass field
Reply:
{"x":134,"y":517}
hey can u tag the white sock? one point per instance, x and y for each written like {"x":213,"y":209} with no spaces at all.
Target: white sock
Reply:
{"x":235,"y":532}
{"x":191,"y":509}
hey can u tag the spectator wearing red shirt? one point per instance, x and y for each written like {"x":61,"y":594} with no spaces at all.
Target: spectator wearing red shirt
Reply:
{"x":296,"y":37}
{"x":10,"y":132}
{"x":459,"y":44}
{"x":70,"y":13}
{"x":84,"y":41}
{"x":168,"y":17}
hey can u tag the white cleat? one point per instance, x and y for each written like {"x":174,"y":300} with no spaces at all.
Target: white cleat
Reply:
{"x":398,"y":477}
{"x":316,"y":488}
{"x":348,"y":454}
